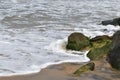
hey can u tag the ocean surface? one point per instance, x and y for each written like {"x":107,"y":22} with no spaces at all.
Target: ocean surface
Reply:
{"x":33,"y":33}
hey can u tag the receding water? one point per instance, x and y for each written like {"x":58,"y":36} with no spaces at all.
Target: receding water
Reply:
{"x":33,"y":33}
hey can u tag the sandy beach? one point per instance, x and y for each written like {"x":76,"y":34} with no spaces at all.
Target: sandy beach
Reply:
{"x":64,"y":71}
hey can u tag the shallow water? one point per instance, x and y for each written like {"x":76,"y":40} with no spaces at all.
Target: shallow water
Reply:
{"x":33,"y":33}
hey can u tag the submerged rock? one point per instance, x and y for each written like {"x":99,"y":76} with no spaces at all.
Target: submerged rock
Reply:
{"x":77,"y":41}
{"x":114,"y":22}
{"x":88,"y":67}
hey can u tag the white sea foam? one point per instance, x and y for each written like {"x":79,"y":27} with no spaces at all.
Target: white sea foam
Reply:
{"x":14,"y":1}
{"x":58,"y":46}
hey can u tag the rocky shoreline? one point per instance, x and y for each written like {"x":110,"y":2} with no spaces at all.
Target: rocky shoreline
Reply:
{"x":100,"y":47}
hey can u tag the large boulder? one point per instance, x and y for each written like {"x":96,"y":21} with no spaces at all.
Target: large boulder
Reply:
{"x":87,"y":67}
{"x":114,"y":55}
{"x":77,"y":41}
{"x":114,"y":22}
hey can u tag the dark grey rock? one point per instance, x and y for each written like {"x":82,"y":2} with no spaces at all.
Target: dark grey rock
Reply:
{"x":114,"y":22}
{"x":115,"y":39}
{"x":114,"y":57}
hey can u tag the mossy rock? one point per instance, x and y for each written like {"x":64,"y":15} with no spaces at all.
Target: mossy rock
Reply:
{"x":97,"y":53}
{"x":100,"y":41}
{"x":77,"y":41}
{"x":100,"y":47}
{"x":88,"y":67}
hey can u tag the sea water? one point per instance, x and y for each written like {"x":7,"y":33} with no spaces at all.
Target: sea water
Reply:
{"x":33,"y":33}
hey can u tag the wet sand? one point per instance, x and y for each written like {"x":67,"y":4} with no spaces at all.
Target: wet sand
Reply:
{"x":64,"y":71}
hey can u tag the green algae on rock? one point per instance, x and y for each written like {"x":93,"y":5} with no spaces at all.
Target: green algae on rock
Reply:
{"x":97,"y":53}
{"x":88,"y":67}
{"x":100,"y":41}
{"x":100,"y":47}
{"x":77,"y":41}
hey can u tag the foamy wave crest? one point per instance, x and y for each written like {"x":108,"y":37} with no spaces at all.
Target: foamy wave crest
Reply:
{"x":14,"y":1}
{"x":97,"y":30}
{"x":58,"y":46}
{"x":20,"y":1}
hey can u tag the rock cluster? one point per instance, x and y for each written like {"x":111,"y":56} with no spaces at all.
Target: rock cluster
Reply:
{"x":99,"y":47}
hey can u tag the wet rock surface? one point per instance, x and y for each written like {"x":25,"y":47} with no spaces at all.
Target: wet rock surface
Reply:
{"x":114,"y":55}
{"x":77,"y":41}
{"x":87,"y":67}
{"x":114,"y":22}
